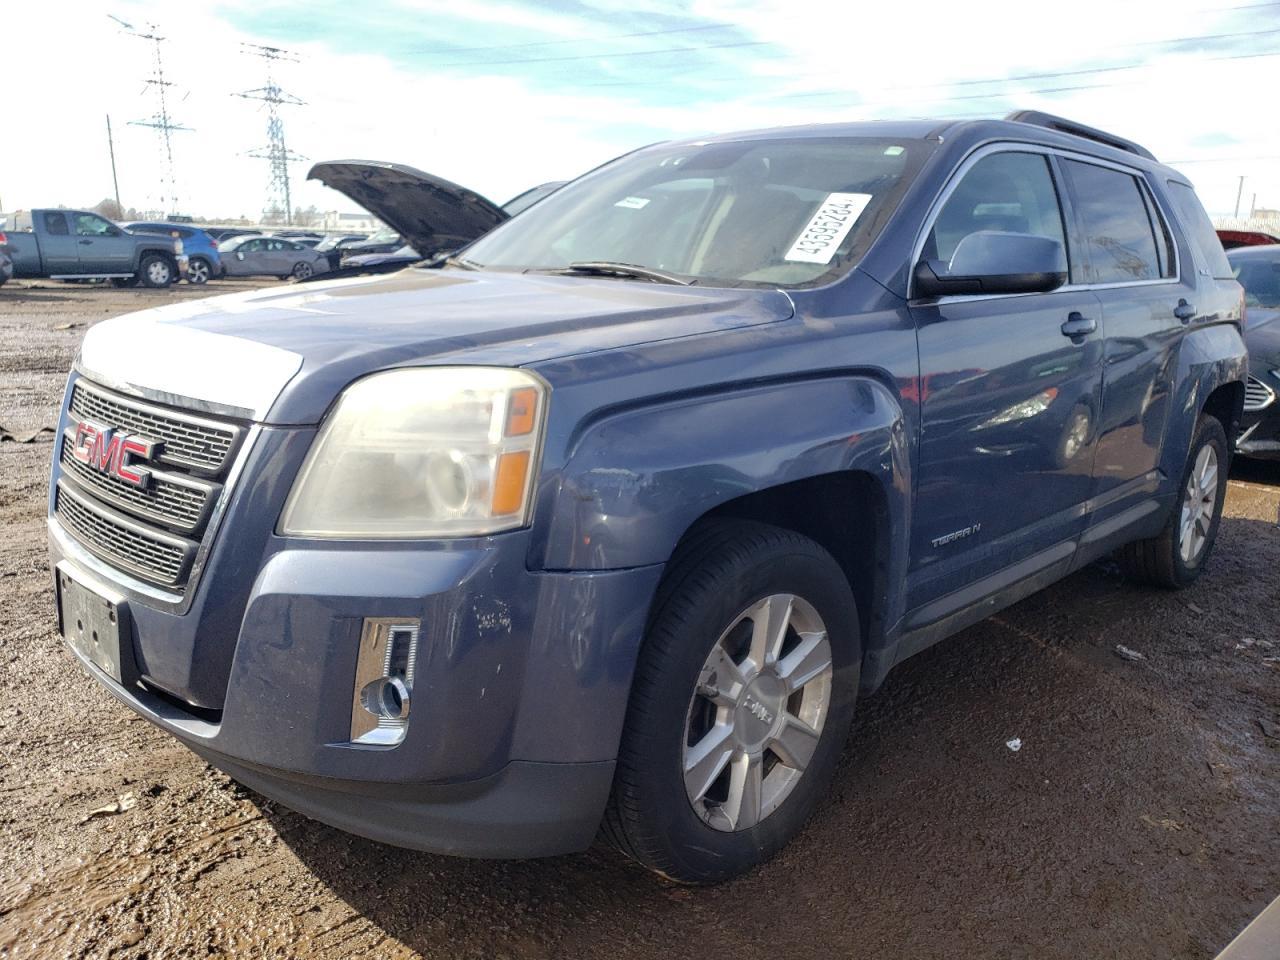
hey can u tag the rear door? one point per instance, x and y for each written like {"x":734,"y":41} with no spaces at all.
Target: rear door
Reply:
{"x":104,"y":247}
{"x":1009,"y":399}
{"x":1131,"y":263}
{"x":58,"y":245}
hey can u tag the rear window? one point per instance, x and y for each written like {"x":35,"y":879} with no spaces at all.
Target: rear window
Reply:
{"x":1204,"y":241}
{"x":1117,"y":219}
{"x":1260,"y":277}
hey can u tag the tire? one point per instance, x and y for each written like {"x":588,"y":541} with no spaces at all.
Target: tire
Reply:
{"x":303,"y":270}
{"x":1176,"y":556}
{"x":156,"y":271}
{"x":703,"y":825}
{"x":199,"y":271}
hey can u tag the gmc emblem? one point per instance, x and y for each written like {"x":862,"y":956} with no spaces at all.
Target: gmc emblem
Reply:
{"x":113,"y":453}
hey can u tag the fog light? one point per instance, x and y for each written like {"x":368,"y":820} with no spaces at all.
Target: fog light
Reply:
{"x":384,"y":680}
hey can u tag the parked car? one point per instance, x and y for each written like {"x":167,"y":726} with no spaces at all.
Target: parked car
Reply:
{"x":1245,"y":238}
{"x":203,"y":261}
{"x":370,"y":263}
{"x":1258,"y":270}
{"x":226,"y":233}
{"x":334,"y":247}
{"x":606,"y":524}
{"x":81,"y":245}
{"x":382,"y":241}
{"x":271,"y":256}
{"x":432,"y":214}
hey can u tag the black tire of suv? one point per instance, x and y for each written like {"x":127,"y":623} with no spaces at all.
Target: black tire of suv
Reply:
{"x":199,"y":271}
{"x":1157,"y":561}
{"x":144,"y":271}
{"x":720,"y":570}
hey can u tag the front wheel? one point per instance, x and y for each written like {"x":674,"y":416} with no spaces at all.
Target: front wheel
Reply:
{"x":303,"y":270}
{"x":740,"y":706}
{"x":156,"y":271}
{"x":199,"y":271}
{"x":1177,"y":555}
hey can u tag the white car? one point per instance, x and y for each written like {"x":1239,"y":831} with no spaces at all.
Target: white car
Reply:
{"x":272,"y":257}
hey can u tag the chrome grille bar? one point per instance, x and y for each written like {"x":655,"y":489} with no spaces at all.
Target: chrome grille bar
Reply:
{"x":146,"y":553}
{"x":196,"y":443}
{"x":172,"y":500}
{"x":1257,"y":395}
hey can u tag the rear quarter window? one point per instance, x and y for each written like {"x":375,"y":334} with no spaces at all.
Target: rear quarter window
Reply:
{"x":1203,"y":240}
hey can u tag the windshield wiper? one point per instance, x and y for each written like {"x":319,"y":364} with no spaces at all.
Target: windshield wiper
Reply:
{"x":608,"y":268}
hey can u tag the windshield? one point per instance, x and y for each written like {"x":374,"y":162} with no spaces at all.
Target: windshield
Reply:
{"x":1260,"y":277}
{"x":786,"y":212}
{"x":385,"y":235}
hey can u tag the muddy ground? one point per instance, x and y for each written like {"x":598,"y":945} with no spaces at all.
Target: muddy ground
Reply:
{"x":1140,"y":818}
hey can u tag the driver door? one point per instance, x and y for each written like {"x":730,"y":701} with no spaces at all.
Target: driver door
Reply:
{"x":104,"y":247}
{"x":1009,"y":400}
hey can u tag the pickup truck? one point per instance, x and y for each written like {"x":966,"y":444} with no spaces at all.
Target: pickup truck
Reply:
{"x":603,"y":524}
{"x":81,"y":245}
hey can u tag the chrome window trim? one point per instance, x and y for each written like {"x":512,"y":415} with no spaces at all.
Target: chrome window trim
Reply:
{"x":1016,"y":146}
{"x":151,"y":595}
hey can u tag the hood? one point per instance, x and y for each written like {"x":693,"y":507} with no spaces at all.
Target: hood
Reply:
{"x":430,"y":213}
{"x":281,"y":355}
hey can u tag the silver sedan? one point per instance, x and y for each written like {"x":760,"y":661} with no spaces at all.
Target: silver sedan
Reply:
{"x":272,"y":257}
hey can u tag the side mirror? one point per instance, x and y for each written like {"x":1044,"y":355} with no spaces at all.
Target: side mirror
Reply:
{"x":993,"y":262}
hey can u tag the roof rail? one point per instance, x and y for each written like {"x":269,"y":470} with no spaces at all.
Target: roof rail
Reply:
{"x":1063,"y":125}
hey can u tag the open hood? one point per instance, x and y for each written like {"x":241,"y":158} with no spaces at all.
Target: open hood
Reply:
{"x":431,"y":214}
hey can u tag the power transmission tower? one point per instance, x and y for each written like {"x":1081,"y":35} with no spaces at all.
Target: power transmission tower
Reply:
{"x":275,"y":152}
{"x":160,"y":121}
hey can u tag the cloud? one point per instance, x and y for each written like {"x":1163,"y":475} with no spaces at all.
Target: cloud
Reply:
{"x":501,"y":94}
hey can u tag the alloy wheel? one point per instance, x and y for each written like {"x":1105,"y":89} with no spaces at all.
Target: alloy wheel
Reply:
{"x":158,"y":272}
{"x":757,"y":713}
{"x":198,"y":272}
{"x":303,"y":270}
{"x":1199,"y":503}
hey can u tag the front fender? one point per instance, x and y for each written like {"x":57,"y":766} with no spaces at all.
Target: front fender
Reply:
{"x":636,"y":479}
{"x":1208,"y":358}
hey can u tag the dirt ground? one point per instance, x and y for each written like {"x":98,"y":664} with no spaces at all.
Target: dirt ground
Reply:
{"x":1140,"y":818}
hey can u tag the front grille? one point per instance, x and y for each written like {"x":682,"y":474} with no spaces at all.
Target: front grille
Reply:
{"x":154,"y":532}
{"x":130,"y":546}
{"x":1257,"y":395}
{"x":175,"y":502}
{"x":188,"y":441}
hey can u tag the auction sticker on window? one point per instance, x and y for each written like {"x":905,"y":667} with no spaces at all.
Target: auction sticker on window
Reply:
{"x":822,"y":235}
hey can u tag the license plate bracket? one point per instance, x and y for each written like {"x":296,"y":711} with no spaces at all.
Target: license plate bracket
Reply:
{"x":96,"y":626}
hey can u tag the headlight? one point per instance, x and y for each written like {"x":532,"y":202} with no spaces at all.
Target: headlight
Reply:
{"x":423,"y":452}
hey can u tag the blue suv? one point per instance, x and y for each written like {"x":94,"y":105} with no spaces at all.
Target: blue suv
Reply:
{"x":603,"y":524}
{"x":202,"y":249}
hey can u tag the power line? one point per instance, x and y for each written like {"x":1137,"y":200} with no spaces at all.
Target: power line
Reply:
{"x":276,"y":153}
{"x":164,"y":125}
{"x":616,"y":36}
{"x":611,"y":56}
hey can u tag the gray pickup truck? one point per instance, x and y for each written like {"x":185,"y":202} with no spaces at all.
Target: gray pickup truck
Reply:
{"x":81,"y":245}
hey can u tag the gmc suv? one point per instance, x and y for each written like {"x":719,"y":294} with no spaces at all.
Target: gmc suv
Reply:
{"x":603,"y":523}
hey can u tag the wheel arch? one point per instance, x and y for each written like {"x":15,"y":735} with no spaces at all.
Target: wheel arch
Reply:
{"x":828,"y":458}
{"x":1213,"y":363}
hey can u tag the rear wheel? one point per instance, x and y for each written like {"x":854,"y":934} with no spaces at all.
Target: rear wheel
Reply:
{"x":1177,"y":555}
{"x":740,"y":706}
{"x":199,"y":270}
{"x":156,"y":271}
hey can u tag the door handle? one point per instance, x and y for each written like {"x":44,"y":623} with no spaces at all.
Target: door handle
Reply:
{"x":85,"y":243}
{"x":1184,"y":311}
{"x":1077,"y":326}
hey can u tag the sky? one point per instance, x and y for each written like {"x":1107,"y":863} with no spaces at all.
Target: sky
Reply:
{"x":499,"y":95}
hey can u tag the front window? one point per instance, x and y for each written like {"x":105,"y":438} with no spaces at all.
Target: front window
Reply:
{"x":787,"y":212}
